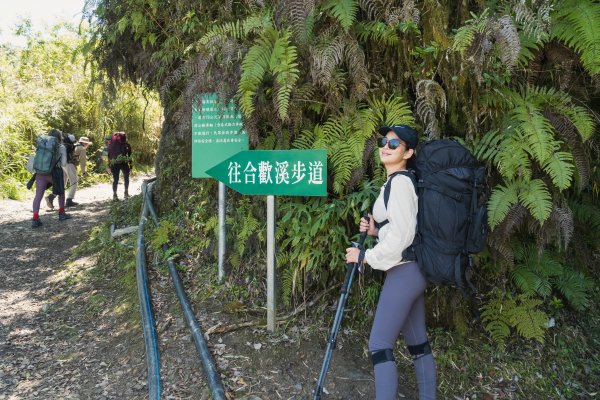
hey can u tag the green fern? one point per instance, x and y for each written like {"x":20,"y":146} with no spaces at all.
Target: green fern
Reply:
{"x":541,"y":272}
{"x":161,"y":236}
{"x":344,"y":11}
{"x":500,"y":315}
{"x":535,"y":197}
{"x":576,"y":23}
{"x":254,"y":67}
{"x":283,"y":65}
{"x":575,"y":287}
{"x":500,"y":202}
{"x":272,"y":53}
{"x":465,"y":35}
{"x":560,"y":168}
{"x":529,"y":321}
{"x":239,"y":29}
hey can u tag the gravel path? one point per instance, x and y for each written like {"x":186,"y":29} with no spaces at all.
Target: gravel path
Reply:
{"x":48,"y":347}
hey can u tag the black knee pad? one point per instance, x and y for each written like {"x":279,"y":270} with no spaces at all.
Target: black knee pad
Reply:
{"x":419,"y":350}
{"x":381,"y":356}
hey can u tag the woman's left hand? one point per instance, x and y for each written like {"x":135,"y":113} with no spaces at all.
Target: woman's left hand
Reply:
{"x":352,"y":254}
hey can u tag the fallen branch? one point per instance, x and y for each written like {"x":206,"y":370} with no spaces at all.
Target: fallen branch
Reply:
{"x":262,"y":322}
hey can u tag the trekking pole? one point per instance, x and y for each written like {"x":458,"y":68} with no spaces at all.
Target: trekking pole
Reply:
{"x":337,"y":321}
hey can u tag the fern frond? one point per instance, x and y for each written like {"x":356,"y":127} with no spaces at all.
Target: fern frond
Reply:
{"x":576,"y":24}
{"x":342,"y":10}
{"x":514,"y":218}
{"x":488,"y":147}
{"x":535,"y":197}
{"x":534,"y":128}
{"x":535,"y":24}
{"x":513,"y":159}
{"x":392,"y":111}
{"x":284,"y":67}
{"x":254,"y":67}
{"x":304,"y":141}
{"x":529,"y":321}
{"x":357,"y":69}
{"x":508,"y":40}
{"x":563,"y":127}
{"x":301,"y":14}
{"x":560,"y":168}
{"x":465,"y":35}
{"x":431,"y":101}
{"x":376,"y":31}
{"x":526,"y":280}
{"x":575,"y":287}
{"x":496,"y":319}
{"x":563,"y":218}
{"x":501,"y":200}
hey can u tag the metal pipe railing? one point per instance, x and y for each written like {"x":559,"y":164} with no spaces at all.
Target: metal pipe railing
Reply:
{"x":214,"y":380}
{"x":146,"y":309}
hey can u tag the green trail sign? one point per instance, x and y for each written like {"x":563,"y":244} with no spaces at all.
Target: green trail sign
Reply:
{"x":275,"y":172}
{"x":217,"y":134}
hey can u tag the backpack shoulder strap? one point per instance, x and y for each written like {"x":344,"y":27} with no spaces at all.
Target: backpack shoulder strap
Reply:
{"x":388,"y":187}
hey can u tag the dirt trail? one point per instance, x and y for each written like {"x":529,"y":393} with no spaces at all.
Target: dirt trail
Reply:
{"x":48,"y":351}
{"x":62,"y":336}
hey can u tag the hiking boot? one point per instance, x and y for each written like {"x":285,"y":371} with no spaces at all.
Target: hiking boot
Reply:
{"x":50,"y":201}
{"x":126,"y":194}
{"x":70,"y":203}
{"x":115,"y":198}
{"x":63,"y":216}
{"x":36,"y":223}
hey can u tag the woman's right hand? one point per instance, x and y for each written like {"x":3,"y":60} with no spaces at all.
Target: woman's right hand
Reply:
{"x":368,"y":226}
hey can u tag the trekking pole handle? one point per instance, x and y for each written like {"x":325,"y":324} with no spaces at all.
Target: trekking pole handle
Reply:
{"x":359,"y":244}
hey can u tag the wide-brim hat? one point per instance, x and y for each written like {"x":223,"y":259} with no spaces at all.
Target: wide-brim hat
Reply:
{"x":84,"y":139}
{"x":404,"y":132}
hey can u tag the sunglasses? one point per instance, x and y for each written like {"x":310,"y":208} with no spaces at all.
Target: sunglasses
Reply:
{"x":393,"y":144}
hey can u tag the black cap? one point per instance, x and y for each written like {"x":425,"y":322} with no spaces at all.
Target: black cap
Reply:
{"x":404,"y":132}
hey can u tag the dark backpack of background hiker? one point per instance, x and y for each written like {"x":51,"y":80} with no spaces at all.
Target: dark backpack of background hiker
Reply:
{"x":452,"y":217}
{"x":47,"y":154}
{"x":69,"y":143}
{"x":117,"y":146}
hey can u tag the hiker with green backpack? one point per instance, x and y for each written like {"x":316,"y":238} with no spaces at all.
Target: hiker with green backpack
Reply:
{"x":50,"y":158}
{"x":401,"y":306}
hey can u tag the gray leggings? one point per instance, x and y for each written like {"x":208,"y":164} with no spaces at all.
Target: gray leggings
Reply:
{"x":401,"y":308}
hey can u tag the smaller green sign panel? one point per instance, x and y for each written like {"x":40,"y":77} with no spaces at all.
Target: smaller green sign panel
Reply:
{"x":275,"y":172}
{"x":217,"y":134}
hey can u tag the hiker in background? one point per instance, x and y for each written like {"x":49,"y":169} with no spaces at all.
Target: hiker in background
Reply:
{"x":401,"y":306}
{"x":49,"y":172}
{"x":70,"y":172}
{"x":119,"y":159}
{"x":104,"y":155}
{"x":81,"y":154}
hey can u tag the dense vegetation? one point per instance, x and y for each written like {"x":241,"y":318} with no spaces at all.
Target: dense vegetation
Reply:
{"x":48,"y":84}
{"x":517,"y":81}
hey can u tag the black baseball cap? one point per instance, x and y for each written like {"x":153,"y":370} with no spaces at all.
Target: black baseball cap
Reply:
{"x":404,"y":132}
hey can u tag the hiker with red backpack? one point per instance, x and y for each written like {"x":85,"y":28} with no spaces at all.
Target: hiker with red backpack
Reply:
{"x":50,"y":157}
{"x":401,"y":306}
{"x":119,"y":160}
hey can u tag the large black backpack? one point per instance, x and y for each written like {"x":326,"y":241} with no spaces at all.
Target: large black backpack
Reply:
{"x":452,"y":217}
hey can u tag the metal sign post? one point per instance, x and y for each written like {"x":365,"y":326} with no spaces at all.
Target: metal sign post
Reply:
{"x":217,"y":133}
{"x":271,"y":310}
{"x":222,"y":232}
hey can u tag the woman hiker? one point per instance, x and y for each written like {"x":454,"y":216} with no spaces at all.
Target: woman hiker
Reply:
{"x":401,"y":306}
